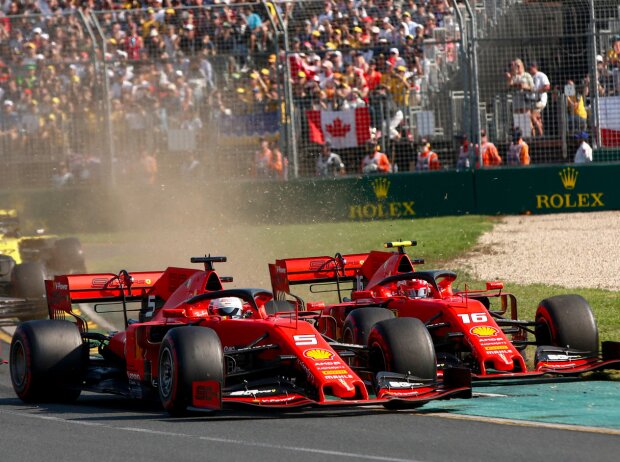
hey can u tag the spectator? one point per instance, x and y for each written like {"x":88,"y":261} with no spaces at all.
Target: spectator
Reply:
{"x":63,"y":177}
{"x":329,"y":163}
{"x":521,"y":83}
{"x":148,"y":164}
{"x":584,"y":151}
{"x":466,"y":154}
{"x":489,"y":156}
{"x":605,"y":84}
{"x":575,"y":105}
{"x":519,"y":151}
{"x":427,"y":159}
{"x":538,"y":98}
{"x":613,"y":54}
{"x":375,"y":161}
{"x":266,"y":164}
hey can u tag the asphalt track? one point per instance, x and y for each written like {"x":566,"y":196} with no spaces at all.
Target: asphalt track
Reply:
{"x":100,"y":427}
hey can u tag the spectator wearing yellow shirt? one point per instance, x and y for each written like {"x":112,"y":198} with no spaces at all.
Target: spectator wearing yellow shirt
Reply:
{"x":613,"y":55}
{"x":396,"y":82}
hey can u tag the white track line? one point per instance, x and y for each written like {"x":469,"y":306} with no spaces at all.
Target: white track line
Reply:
{"x":254,"y":444}
{"x":524,"y":423}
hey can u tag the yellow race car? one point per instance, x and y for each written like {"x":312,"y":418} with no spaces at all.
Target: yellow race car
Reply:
{"x":25,"y":263}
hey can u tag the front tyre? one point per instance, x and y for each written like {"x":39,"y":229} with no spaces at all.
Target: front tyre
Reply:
{"x":404,"y":346}
{"x":190,"y":357}
{"x":47,"y":360}
{"x":359,"y":322}
{"x":566,"y":321}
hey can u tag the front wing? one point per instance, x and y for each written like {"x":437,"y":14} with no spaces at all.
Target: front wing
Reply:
{"x":554,"y":363}
{"x":391,"y":390}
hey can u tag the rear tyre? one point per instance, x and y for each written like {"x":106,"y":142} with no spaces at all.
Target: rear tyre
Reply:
{"x":404,"y":346}
{"x":188,"y":355}
{"x":68,"y":256}
{"x":28,"y":280}
{"x":359,"y":322}
{"x":47,"y":360}
{"x":566,"y":321}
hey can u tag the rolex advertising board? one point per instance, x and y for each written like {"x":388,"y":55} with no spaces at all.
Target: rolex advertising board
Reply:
{"x":371,"y":197}
{"x":548,"y":189}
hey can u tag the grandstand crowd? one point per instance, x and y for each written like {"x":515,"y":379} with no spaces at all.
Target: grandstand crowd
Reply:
{"x":185,"y":64}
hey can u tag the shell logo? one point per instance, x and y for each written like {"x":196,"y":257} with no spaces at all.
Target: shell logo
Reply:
{"x":318,"y":354}
{"x":484,"y":331}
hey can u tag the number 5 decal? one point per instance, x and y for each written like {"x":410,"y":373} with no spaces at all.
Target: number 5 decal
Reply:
{"x":305,"y":339}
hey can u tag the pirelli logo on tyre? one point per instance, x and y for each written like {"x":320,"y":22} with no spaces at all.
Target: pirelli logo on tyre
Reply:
{"x":569,"y":198}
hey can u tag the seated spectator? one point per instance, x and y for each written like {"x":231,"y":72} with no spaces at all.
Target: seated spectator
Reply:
{"x":329,"y":163}
{"x":519,"y":151}
{"x":489,"y":156}
{"x":267,"y":162}
{"x":427,"y":159}
{"x":375,"y":161}
{"x":584,"y":151}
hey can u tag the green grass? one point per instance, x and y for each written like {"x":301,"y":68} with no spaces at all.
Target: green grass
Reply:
{"x":440,"y":240}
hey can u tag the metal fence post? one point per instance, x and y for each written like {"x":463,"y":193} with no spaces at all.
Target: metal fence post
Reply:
{"x":108,"y":163}
{"x":475,"y":101}
{"x":594,"y":72}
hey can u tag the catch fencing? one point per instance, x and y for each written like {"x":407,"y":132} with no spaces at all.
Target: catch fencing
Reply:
{"x":256,"y":90}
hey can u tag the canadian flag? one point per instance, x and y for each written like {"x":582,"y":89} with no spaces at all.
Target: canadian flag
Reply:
{"x":609,"y":117}
{"x":343,"y":129}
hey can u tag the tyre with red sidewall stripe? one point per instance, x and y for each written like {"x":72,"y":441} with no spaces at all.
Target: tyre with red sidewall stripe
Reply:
{"x":566,"y":321}
{"x":188,"y":356}
{"x":404,"y":346}
{"x":47,"y":361}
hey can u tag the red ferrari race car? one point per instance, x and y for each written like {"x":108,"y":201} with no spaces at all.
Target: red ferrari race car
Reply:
{"x":476,"y":329}
{"x":196,"y":345}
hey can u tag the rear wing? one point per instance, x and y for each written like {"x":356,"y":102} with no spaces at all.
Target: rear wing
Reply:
{"x":295,"y":271}
{"x":65,"y":290}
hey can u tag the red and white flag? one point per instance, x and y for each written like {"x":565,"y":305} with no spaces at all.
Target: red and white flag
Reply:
{"x":343,"y":129}
{"x":609,"y":119}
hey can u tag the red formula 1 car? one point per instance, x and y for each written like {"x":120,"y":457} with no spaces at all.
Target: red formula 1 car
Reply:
{"x":197,"y":345}
{"x":477,"y":329}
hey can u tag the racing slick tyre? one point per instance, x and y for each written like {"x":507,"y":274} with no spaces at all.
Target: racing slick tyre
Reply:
{"x":189,"y":355}
{"x":359,"y":322}
{"x":47,"y":360}
{"x":68,"y":256}
{"x":404,"y":346}
{"x":28,"y":281}
{"x":566,"y":321}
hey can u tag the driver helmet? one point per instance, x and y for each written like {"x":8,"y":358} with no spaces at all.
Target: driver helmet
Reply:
{"x":416,"y":288}
{"x":227,"y":306}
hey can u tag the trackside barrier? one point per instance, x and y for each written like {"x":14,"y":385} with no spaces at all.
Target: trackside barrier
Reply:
{"x":536,"y":190}
{"x":552,"y":189}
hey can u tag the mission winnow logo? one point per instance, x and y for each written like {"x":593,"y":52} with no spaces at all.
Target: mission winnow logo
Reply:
{"x":568,"y":199}
{"x":382,"y":207}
